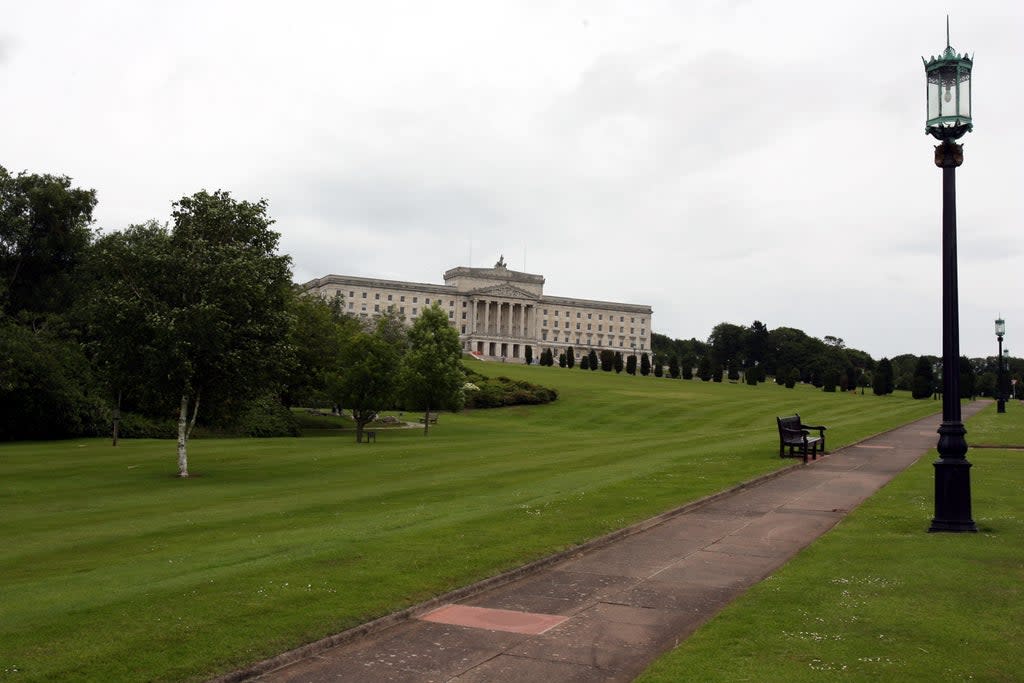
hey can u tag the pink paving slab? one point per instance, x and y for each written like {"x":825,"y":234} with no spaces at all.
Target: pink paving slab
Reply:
{"x":529,"y":623}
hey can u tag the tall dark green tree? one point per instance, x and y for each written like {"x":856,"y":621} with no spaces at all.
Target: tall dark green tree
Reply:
{"x":592,"y":357}
{"x":44,"y":235}
{"x":619,"y":365}
{"x":968,"y":379}
{"x":432,"y":374}
{"x":923,"y":384}
{"x":607,"y":357}
{"x":687,"y":362}
{"x":570,"y":358}
{"x":645,"y":364}
{"x":631,"y":364}
{"x":704,"y":369}
{"x":882,"y":381}
{"x":528,"y":354}
{"x":659,"y":368}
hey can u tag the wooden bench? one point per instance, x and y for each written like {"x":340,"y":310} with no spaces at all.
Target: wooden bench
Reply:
{"x":795,"y":435}
{"x":369,"y":436}
{"x":433,"y":420}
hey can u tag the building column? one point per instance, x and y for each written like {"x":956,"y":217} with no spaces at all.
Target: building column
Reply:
{"x":487,"y":315}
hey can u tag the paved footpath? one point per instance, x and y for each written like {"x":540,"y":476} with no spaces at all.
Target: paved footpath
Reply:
{"x":605,"y":614}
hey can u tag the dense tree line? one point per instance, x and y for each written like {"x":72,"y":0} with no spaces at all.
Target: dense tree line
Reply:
{"x":195,"y":322}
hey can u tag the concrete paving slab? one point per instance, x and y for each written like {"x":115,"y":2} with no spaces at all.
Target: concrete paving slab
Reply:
{"x":629,"y":598}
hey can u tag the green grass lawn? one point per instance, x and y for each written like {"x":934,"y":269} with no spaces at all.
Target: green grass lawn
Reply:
{"x":879,"y":599}
{"x":111,"y":568}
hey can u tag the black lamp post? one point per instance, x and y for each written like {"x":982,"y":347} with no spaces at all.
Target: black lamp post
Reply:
{"x":1000,"y":384}
{"x":948,"y":95}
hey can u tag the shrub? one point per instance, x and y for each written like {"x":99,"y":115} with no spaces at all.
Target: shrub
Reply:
{"x":496,"y":392}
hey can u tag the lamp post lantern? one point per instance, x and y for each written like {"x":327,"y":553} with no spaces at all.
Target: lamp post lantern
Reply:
{"x":948,"y":94}
{"x":1000,"y":393}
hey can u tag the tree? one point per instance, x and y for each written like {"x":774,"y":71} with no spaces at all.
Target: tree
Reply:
{"x":570,"y":358}
{"x":198,"y":312}
{"x":829,"y":380}
{"x":317,"y":330}
{"x":687,"y":362}
{"x":44,"y":235}
{"x":592,"y":358}
{"x":967,"y":379}
{"x":585,"y":362}
{"x":881,"y":383}
{"x":923,"y":383}
{"x":704,"y":368}
{"x":673,"y":367}
{"x":618,"y":364}
{"x":432,"y":375}
{"x":368,"y":380}
{"x":528,"y":354}
{"x":631,"y":365}
{"x":734,"y":370}
{"x":659,"y":368}
{"x":645,"y":364}
{"x":561,"y":360}
{"x":792,"y":377}
{"x":607,"y":360}
{"x":45,"y":382}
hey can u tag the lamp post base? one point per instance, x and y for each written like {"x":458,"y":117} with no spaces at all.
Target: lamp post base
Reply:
{"x":953,"y":496}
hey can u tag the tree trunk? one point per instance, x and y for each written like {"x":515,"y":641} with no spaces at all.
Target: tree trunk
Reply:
{"x":426,"y":420}
{"x":183,"y":437}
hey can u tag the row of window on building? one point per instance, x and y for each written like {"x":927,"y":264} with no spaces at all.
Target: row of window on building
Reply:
{"x":590,"y":316}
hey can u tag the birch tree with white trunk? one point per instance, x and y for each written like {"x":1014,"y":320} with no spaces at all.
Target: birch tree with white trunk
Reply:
{"x":197,"y":312}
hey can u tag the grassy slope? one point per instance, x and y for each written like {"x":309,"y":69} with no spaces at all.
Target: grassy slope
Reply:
{"x":878,"y":598}
{"x":113,"y":569}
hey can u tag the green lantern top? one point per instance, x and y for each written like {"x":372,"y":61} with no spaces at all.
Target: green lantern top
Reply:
{"x":948,"y":92}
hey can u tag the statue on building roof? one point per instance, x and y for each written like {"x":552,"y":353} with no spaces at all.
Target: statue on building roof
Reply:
{"x":501,"y":262}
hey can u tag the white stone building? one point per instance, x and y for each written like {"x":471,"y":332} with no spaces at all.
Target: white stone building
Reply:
{"x":499,"y":312}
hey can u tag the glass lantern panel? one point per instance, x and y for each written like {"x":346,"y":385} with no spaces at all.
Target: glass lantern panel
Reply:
{"x":965,"y":97}
{"x":948,"y":92}
{"x":933,"y":100}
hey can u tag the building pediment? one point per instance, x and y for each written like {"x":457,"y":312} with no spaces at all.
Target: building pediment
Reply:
{"x":504,"y":291}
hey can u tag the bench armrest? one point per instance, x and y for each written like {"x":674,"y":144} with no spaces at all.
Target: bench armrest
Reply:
{"x":820,"y":428}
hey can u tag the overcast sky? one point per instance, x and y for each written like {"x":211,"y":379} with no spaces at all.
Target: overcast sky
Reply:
{"x":719,"y":161}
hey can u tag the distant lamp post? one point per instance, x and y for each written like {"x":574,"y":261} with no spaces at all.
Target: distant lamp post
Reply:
{"x":1000,"y":384}
{"x":949,"y":118}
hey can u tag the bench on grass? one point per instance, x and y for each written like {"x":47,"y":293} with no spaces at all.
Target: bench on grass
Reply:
{"x":433,"y":420}
{"x":796,"y":436}
{"x":369,"y":435}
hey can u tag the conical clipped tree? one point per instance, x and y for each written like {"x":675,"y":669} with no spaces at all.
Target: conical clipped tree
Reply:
{"x":734,"y":370}
{"x":881,"y":382}
{"x":687,"y":362}
{"x":829,"y":380}
{"x":659,"y":368}
{"x":585,"y":362}
{"x":607,"y":357}
{"x":561,"y":360}
{"x":967,"y":378}
{"x":631,"y":365}
{"x":570,"y":358}
{"x":704,"y":368}
{"x":792,"y":377}
{"x":673,"y":367}
{"x":592,"y":357}
{"x":528,"y":355}
{"x":645,"y":364}
{"x":924,"y":379}
{"x":716,"y":372}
